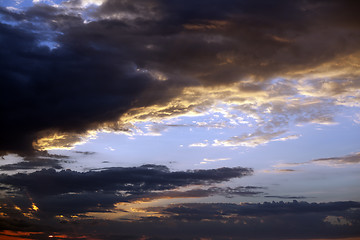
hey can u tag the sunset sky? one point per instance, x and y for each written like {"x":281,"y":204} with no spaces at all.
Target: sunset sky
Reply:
{"x":169,"y":119}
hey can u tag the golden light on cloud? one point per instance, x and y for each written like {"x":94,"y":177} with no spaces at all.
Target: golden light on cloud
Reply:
{"x":34,"y":207}
{"x":64,"y":141}
{"x":244,"y":97}
{"x":17,"y":208}
{"x":320,"y":87}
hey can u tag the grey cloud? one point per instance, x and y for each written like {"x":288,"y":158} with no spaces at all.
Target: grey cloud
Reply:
{"x":70,"y":192}
{"x":38,"y":161}
{"x":331,"y":161}
{"x":348,"y":159}
{"x":103,"y":201}
{"x":85,"y":153}
{"x":199,"y":211}
{"x":132,"y":179}
{"x":276,"y":220}
{"x":285,"y":197}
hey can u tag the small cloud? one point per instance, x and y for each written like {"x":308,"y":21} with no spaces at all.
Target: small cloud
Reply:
{"x":41,"y":160}
{"x":334,"y":161}
{"x":199,"y":144}
{"x":85,"y":152}
{"x":290,"y":137}
{"x":331,"y":161}
{"x":110,"y":148}
{"x":249,"y":140}
{"x":206,"y":160}
{"x":280,"y":165}
{"x":337,"y":220}
{"x":357,"y":118}
{"x":285,"y":197}
{"x":324,"y":121}
{"x":286,"y":170}
{"x":279,"y":171}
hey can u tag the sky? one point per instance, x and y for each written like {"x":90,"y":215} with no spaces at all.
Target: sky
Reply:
{"x":199,"y":120}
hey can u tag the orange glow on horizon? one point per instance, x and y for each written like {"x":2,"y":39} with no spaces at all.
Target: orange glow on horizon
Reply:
{"x":17,"y":235}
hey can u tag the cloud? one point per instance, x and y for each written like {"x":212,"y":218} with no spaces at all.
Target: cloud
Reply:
{"x":290,"y":137}
{"x":286,"y":170}
{"x":53,"y":107}
{"x":208,"y":220}
{"x":37,"y":161}
{"x":331,"y":161}
{"x":227,"y":192}
{"x":357,"y":118}
{"x":285,"y":197}
{"x":206,"y":160}
{"x":34,"y":164}
{"x":71,"y":192}
{"x":85,"y":153}
{"x":199,"y":144}
{"x":200,"y":211}
{"x":65,"y":73}
{"x":348,"y":159}
{"x":249,"y":140}
{"x":143,"y":178}
{"x":18,"y":235}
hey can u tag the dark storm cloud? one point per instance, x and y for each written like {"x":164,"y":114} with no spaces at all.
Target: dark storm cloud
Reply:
{"x":215,"y":221}
{"x":132,"y":179}
{"x":92,"y":78}
{"x":70,"y":192}
{"x":70,"y":204}
{"x":71,"y":89}
{"x":276,"y":220}
{"x":259,"y":38}
{"x":104,"y":201}
{"x":201,"y":211}
{"x":285,"y":197}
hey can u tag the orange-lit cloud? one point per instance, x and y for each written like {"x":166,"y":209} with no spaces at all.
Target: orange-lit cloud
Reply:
{"x":18,"y":235}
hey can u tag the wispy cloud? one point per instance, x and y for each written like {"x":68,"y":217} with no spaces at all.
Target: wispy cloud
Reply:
{"x":249,"y":140}
{"x":286,"y":170}
{"x":331,"y":161}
